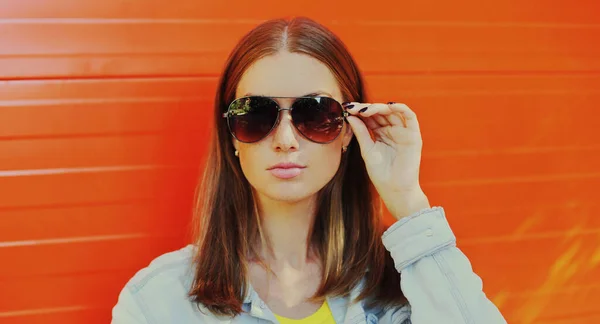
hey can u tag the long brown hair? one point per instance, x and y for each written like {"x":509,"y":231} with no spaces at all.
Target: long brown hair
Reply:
{"x":348,"y":227}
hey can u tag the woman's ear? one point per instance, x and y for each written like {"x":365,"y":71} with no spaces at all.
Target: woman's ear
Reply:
{"x":235,"y":144}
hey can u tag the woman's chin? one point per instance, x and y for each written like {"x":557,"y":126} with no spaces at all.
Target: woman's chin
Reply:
{"x":288,"y":193}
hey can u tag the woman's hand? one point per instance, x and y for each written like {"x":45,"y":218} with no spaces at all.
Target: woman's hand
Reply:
{"x":393,"y":156}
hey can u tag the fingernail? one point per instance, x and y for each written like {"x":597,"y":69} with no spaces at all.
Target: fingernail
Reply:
{"x":345,"y":103}
{"x":350,"y":107}
{"x":363,"y":110}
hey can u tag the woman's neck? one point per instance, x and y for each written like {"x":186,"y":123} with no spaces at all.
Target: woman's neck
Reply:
{"x":288,"y":227}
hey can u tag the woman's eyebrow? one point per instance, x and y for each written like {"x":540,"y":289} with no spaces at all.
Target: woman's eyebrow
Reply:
{"x":313,"y":94}
{"x":318,"y":93}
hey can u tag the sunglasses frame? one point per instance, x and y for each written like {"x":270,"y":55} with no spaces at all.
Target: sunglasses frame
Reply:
{"x":279,"y":109}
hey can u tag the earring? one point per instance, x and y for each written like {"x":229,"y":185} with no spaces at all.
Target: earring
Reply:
{"x":236,"y":153}
{"x":344,"y":148}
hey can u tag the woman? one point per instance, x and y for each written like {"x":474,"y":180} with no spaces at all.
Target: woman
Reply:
{"x":289,"y":207}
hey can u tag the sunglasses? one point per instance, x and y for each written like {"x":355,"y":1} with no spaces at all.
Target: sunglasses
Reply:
{"x":318,"y":119}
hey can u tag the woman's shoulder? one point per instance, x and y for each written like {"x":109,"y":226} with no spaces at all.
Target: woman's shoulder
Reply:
{"x":174,"y":267}
{"x":158,"y":293}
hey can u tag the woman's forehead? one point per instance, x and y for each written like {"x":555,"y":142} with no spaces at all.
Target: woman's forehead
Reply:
{"x":288,"y":75}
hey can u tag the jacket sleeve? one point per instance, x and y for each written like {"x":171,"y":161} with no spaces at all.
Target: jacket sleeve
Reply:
{"x":127,"y":310}
{"x":436,"y":277}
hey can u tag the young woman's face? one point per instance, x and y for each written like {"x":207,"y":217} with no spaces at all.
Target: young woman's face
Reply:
{"x":289,"y":75}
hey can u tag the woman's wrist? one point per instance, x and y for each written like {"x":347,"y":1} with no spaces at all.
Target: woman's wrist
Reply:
{"x":407,"y":203}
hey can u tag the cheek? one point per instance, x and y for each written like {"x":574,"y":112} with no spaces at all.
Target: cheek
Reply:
{"x":326,"y":164}
{"x":252,"y":164}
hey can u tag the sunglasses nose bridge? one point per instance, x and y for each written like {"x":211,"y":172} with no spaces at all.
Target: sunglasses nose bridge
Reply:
{"x":282,"y":114}
{"x":284,"y":133}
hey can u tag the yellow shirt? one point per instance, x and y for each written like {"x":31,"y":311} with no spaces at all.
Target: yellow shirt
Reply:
{"x":321,"y":316}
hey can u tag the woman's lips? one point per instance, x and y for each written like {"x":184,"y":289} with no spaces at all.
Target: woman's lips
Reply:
{"x":285,"y":173}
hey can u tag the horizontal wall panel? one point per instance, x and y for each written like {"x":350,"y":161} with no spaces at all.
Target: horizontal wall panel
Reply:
{"x":146,"y":216}
{"x":167,"y":149}
{"x":92,"y":255}
{"x":551,"y":263}
{"x":579,"y":305}
{"x":505,"y":165}
{"x":560,"y":218}
{"x":74,"y":314}
{"x":61,"y":66}
{"x":591,"y":317}
{"x":535,"y":86}
{"x":93,"y":289}
{"x":79,"y":186}
{"x":46,"y":119}
{"x":491,"y":195}
{"x":428,"y":10}
{"x":32,"y":92}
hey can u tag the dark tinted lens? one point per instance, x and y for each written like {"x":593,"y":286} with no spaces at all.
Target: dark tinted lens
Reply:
{"x":252,"y":118}
{"x":319,"y":119}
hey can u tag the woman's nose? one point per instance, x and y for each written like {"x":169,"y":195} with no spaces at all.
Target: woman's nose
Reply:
{"x":285,"y":135}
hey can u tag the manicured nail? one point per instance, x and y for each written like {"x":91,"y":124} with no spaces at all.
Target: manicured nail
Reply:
{"x":350,"y":107}
{"x":345,"y":103}
{"x":363,"y":110}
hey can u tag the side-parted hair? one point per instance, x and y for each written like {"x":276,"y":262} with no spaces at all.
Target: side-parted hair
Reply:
{"x":348,"y":225}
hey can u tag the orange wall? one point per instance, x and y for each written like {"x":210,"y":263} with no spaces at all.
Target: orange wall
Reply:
{"x":104,"y":104}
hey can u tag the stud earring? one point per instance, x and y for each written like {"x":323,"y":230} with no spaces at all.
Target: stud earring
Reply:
{"x":236,"y":153}
{"x":344,"y":148}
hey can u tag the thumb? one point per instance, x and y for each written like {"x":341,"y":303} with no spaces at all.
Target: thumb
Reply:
{"x":361,"y":132}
